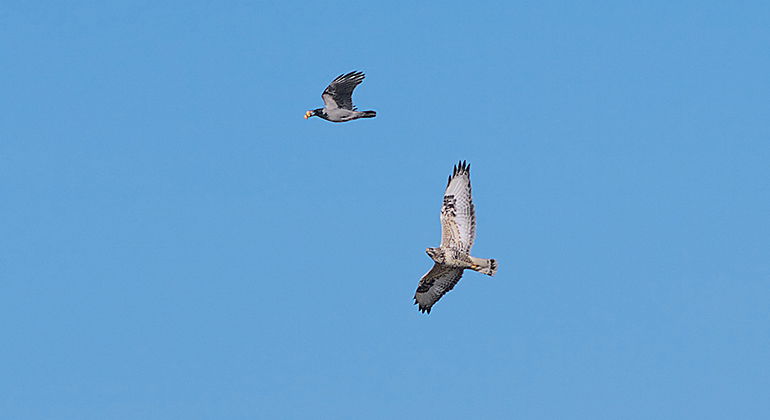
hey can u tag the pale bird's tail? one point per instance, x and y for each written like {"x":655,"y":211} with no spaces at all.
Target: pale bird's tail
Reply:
{"x":486,"y":266}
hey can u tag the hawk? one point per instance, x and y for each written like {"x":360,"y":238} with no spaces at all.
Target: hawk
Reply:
{"x":338,"y":100}
{"x":458,"y":231}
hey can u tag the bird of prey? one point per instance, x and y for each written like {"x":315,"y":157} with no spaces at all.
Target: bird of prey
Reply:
{"x":458,"y":231}
{"x":338,"y":101}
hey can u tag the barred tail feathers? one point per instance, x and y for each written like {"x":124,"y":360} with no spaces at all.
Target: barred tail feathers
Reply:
{"x":486,"y":266}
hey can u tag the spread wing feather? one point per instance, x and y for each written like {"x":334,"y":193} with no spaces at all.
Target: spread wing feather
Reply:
{"x":435,"y":284}
{"x":458,"y":216}
{"x":339,"y":93}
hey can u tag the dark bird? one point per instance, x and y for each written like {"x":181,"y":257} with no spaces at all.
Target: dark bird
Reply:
{"x":338,"y":100}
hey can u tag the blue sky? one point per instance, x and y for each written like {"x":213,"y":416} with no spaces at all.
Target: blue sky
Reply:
{"x":178,"y":242}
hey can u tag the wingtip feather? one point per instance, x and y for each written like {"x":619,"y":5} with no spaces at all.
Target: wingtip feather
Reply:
{"x":462,"y":167}
{"x":421,"y":308}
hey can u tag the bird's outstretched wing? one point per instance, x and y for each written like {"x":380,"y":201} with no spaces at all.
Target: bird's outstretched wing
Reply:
{"x":434,"y":284}
{"x":339,"y":93}
{"x":458,"y":217}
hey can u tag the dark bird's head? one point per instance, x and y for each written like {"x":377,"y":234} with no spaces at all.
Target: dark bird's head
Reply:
{"x":314,"y":113}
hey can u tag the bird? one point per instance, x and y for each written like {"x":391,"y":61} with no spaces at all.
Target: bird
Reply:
{"x":458,"y":231}
{"x":338,"y":101}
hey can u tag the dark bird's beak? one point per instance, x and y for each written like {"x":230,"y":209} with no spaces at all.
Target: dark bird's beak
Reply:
{"x":308,"y":114}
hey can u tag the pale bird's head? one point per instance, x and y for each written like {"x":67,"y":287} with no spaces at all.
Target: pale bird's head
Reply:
{"x":433,"y":252}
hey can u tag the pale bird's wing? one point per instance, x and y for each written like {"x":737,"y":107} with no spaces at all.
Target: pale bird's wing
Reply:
{"x":434,"y":284}
{"x":339,"y":93}
{"x":458,"y":217}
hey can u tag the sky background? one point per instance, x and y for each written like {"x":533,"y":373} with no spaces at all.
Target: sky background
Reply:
{"x":177,"y":242}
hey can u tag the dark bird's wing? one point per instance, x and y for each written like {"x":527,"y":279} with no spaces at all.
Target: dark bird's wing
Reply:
{"x":458,"y":216}
{"x":434,"y":284}
{"x":339,"y":93}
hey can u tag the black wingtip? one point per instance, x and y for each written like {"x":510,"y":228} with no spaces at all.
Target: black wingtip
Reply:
{"x":421,"y":308}
{"x":350,"y":75}
{"x":462,"y":167}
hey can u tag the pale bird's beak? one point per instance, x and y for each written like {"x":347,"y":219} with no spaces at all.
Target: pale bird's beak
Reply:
{"x":308,"y":114}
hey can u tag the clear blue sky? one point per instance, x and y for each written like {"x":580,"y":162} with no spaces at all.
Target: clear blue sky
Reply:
{"x":177,"y":242}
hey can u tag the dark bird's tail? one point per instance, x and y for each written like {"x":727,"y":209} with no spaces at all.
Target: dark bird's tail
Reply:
{"x":369,"y":114}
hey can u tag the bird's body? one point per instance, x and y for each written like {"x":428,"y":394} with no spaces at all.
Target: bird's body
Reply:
{"x":340,"y":114}
{"x":338,"y":100}
{"x":458,"y":231}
